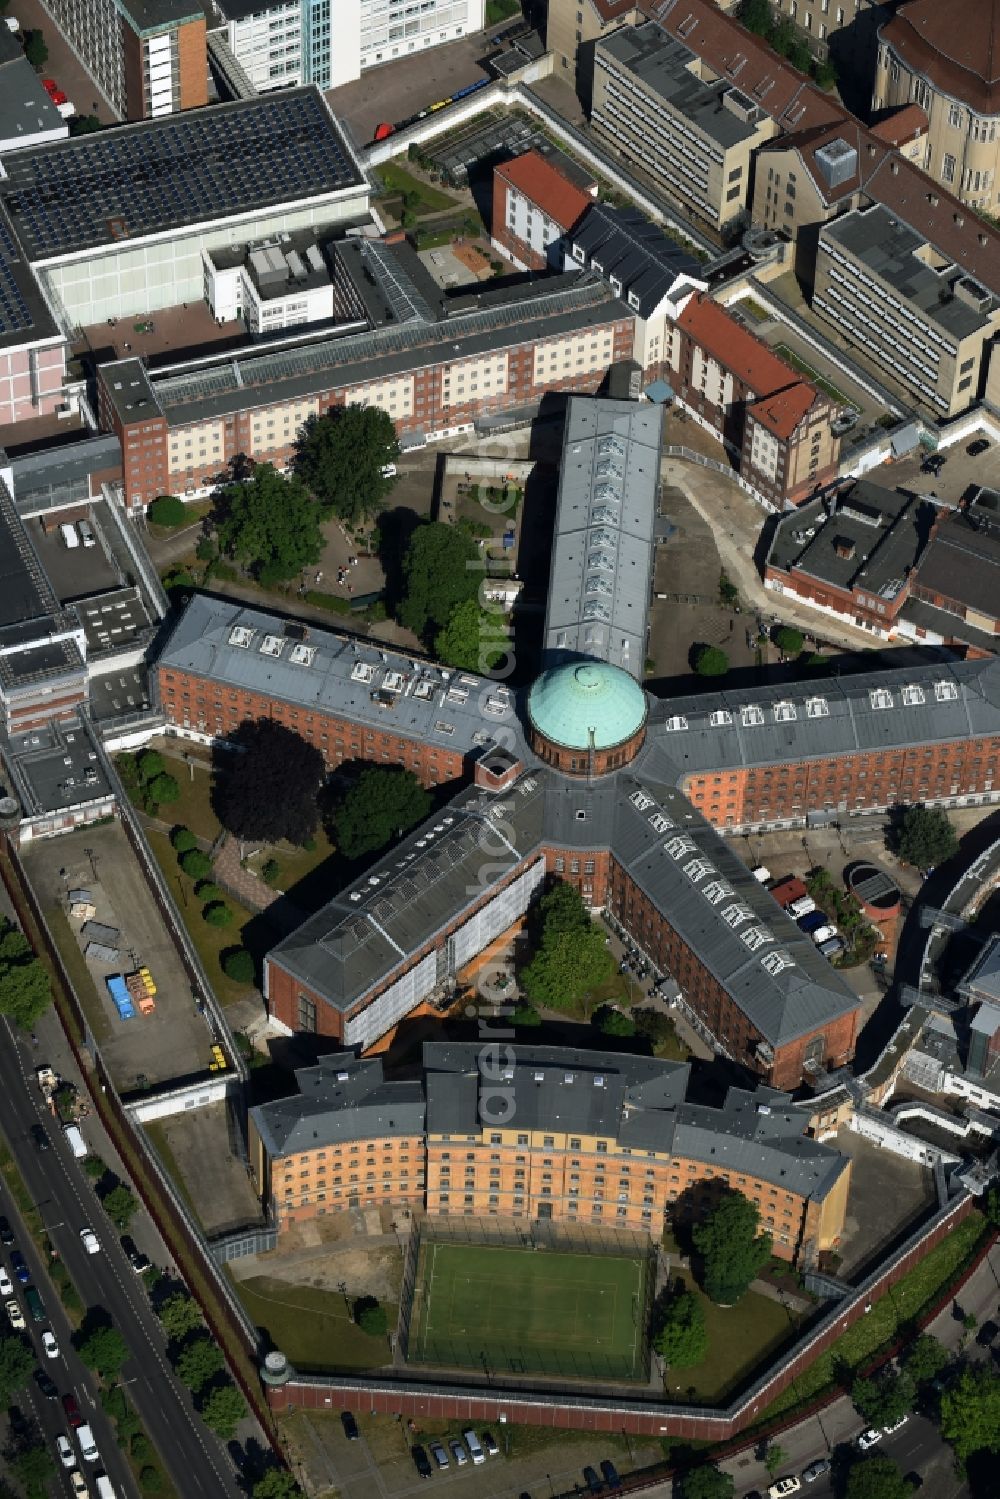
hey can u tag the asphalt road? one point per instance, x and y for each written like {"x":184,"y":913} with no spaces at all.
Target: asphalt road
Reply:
{"x":197,"y":1461}
{"x":917,"y":1447}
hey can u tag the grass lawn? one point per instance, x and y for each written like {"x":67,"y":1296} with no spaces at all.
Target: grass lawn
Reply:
{"x":525,"y":1310}
{"x":312,"y":1325}
{"x":194,"y":807}
{"x":209,"y":940}
{"x":888,"y":1315}
{"x":499,"y":10}
{"x":295,"y":862}
{"x":193,"y":513}
{"x":398,"y":180}
{"x":740,"y":1339}
{"x":826,"y":386}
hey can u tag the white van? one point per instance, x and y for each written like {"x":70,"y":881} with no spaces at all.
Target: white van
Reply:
{"x":75,"y":1140}
{"x":475,"y":1447}
{"x":86,"y":533}
{"x":105,"y":1488}
{"x":88,"y":1446}
{"x":69,"y":536}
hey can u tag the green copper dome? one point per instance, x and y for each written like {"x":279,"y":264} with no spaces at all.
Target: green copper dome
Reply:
{"x":587,"y":703}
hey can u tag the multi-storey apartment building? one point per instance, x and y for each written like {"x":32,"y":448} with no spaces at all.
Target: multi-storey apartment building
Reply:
{"x":694,"y":133}
{"x":285,"y":42}
{"x":148,"y":57}
{"x":877,"y":276}
{"x":572,"y":30}
{"x":776,"y":425}
{"x":547,"y":1134}
{"x":853,"y":555}
{"x":940,"y":54}
{"x":536,"y":201}
{"x":435,"y":363}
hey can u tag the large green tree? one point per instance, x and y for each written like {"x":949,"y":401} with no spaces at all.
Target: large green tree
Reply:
{"x":276,"y":1483}
{"x":180,"y":1315}
{"x":884,"y":1398}
{"x":571,"y":957}
{"x":25,"y":991}
{"x":970,"y":1412}
{"x":268,"y":523}
{"x":34,"y":1467}
{"x":731,"y":1247}
{"x":680,"y":1336}
{"x":925,"y":1358}
{"x":223,"y":1408}
{"x":198,"y":1361}
{"x":474,"y":639}
{"x":706,"y":1482}
{"x":268,"y":784}
{"x":16,"y":1363}
{"x":103,"y":1348}
{"x":442,"y":568}
{"x":383,"y":804}
{"x":711,"y":661}
{"x":342,"y":456}
{"x":926,"y":837}
{"x":876,"y":1477}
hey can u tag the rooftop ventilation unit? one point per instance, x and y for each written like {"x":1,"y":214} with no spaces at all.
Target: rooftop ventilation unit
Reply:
{"x":741,"y":105}
{"x":972,"y":294}
{"x":837,"y":161}
{"x":241,"y":635}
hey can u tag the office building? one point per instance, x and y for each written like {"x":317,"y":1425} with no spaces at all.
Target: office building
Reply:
{"x":593,"y":1137}
{"x":27,"y":114}
{"x":694,"y":134}
{"x":941,"y":55}
{"x":901,"y":298}
{"x":115,"y":223}
{"x":536,"y":201}
{"x":282,"y":43}
{"x":776,"y":425}
{"x":572,"y":30}
{"x":148,"y":57}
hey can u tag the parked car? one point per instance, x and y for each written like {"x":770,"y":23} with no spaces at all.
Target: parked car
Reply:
{"x":50,"y":1343}
{"x":981,"y":445}
{"x":811,"y":921}
{"x":139,"y":1262}
{"x":986,"y":1334}
{"x":19,"y":1267}
{"x":78,"y":1484}
{"x":489,"y":1444}
{"x":784,"y":1486}
{"x":458,"y":1452}
{"x":73,"y":1413}
{"x":15,"y":1316}
{"x":421,"y":1462}
{"x":45,"y":1384}
{"x":592,"y":1481}
{"x":439,"y":1455}
{"x":868,"y":1438}
{"x":64,"y":1447}
{"x":41,"y":1139}
{"x":6,"y":1284}
{"x":815,"y":1470}
{"x":6,"y":1233}
{"x":350,"y":1426}
{"x":887,"y":1431}
{"x":610,"y":1474}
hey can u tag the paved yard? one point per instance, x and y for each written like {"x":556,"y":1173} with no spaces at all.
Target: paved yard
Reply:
{"x":172,"y":1042}
{"x":887,"y":1195}
{"x":63,"y":64}
{"x":197,"y":1148}
{"x":960,"y":477}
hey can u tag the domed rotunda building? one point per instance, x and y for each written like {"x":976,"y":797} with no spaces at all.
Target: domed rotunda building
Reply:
{"x":587,"y":718}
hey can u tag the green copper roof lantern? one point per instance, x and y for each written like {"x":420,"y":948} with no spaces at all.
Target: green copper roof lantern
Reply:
{"x":587,"y":705}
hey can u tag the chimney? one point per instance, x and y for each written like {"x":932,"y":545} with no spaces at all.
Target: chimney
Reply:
{"x":844,"y":547}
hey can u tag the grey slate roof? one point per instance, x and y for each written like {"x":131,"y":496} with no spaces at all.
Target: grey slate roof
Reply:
{"x":603,"y":549}
{"x":447,"y":865}
{"x":316,"y":669}
{"x":25,"y":107}
{"x":962,"y":563}
{"x":885,"y":530}
{"x":924,"y":704}
{"x":342,"y":1098}
{"x":734,"y":927}
{"x":756,"y":1134}
{"x":624,"y":246}
{"x":64,"y":473}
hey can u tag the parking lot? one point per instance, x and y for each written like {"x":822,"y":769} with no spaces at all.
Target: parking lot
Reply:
{"x":380,"y":1461}
{"x":401,"y":88}
{"x":958,"y":478}
{"x":173,"y":1041}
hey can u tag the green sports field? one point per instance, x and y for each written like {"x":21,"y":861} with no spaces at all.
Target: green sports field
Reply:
{"x":543,"y":1311}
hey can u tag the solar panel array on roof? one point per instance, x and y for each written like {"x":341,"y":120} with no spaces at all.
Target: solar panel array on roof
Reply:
{"x":155,"y":177}
{"x":14,"y":312}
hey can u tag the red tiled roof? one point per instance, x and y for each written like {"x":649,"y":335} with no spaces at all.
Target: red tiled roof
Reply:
{"x":613,"y":10}
{"x":949,"y":225}
{"x":902,"y":125}
{"x":783,"y":397}
{"x":954,"y":43}
{"x":746,"y":61}
{"x":534,"y":176}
